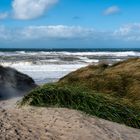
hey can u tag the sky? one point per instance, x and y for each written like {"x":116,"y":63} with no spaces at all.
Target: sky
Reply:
{"x":69,"y":23}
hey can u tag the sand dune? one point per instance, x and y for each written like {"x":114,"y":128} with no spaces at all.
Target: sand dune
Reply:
{"x":33,"y":123}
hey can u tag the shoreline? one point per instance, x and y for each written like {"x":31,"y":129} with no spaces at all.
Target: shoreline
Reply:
{"x":55,"y":64}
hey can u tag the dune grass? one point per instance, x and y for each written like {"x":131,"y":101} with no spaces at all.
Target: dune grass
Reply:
{"x":79,"y":98}
{"x":121,"y":79}
{"x":108,"y":92}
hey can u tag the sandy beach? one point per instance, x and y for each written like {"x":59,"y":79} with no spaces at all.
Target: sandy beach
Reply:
{"x":69,"y":70}
{"x":57,"y":124}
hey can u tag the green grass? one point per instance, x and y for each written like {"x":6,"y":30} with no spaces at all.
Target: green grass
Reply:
{"x":108,"y":92}
{"x":97,"y":104}
{"x":121,"y":79}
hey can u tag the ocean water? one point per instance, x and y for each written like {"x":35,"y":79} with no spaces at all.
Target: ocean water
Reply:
{"x":49,"y":65}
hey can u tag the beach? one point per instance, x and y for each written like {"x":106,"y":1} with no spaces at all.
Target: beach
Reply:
{"x":69,"y":70}
{"x":57,"y":124}
{"x":53,"y":123}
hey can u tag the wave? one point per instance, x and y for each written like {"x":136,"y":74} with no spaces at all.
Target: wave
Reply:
{"x":46,"y":73}
{"x":44,"y":65}
{"x":65,"y":53}
{"x":47,"y":58}
{"x":117,"y":54}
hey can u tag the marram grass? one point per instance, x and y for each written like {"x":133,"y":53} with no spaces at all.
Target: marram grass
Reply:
{"x":97,"y":104}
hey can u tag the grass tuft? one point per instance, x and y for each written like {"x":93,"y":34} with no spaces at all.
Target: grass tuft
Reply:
{"x":97,"y":104}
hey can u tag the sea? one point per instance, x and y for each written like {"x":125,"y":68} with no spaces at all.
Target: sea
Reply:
{"x":49,"y":65}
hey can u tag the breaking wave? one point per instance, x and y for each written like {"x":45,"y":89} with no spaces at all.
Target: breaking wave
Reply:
{"x":46,"y":66}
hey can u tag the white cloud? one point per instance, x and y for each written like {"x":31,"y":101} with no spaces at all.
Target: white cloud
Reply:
{"x":112,"y":10}
{"x":130,"y":32}
{"x":30,"y":9}
{"x":58,"y":31}
{"x":3,"y":15}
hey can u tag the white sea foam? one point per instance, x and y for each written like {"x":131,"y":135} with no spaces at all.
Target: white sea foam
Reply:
{"x":122,"y":54}
{"x":15,"y":64}
{"x":109,"y":53}
{"x":45,"y":65}
{"x":87,"y":60}
{"x":45,"y":73}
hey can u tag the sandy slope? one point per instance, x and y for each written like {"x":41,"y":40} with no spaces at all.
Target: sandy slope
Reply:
{"x":32,"y":123}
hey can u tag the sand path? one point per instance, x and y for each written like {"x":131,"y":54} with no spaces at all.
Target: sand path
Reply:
{"x":31,"y":123}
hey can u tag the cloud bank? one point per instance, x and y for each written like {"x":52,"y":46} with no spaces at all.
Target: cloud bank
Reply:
{"x":130,"y":32}
{"x":126,"y":32}
{"x":58,"y":31}
{"x":74,"y":35}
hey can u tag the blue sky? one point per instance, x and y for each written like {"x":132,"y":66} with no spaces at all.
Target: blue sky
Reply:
{"x":69,"y":23}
